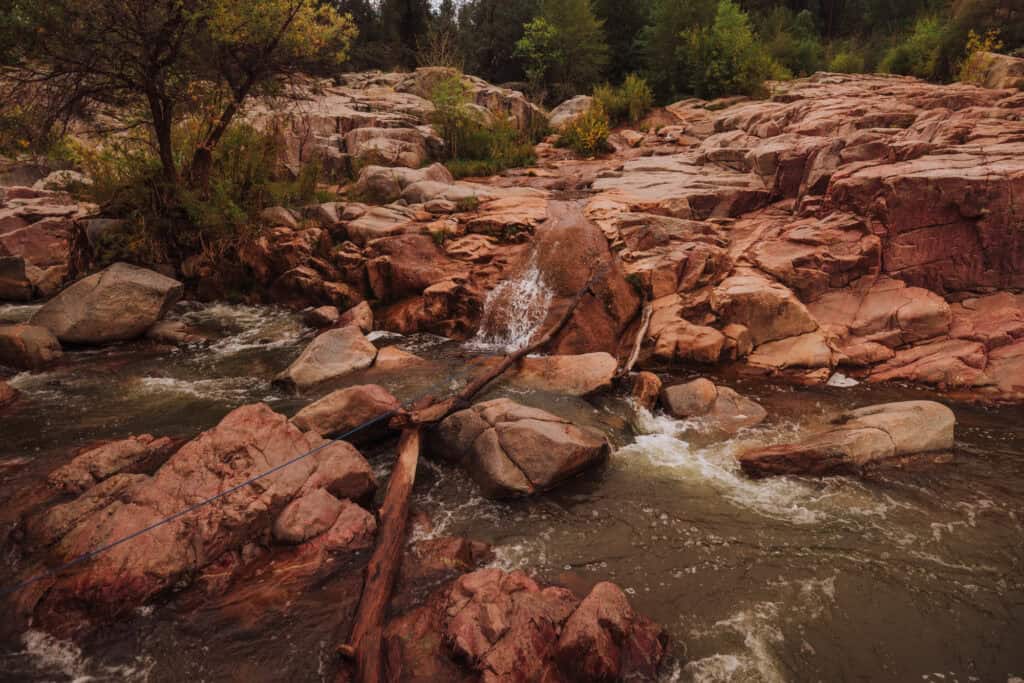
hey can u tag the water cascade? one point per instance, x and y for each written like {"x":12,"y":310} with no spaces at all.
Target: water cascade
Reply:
{"x":514,"y":311}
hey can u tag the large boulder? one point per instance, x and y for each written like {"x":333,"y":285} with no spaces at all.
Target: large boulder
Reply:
{"x":993,"y":70}
{"x":345,"y":409}
{"x":249,"y":441}
{"x":28,"y":347}
{"x":569,"y":111}
{"x":719,"y":408}
{"x":510,"y":449}
{"x":117,"y":304}
{"x":387,"y":147}
{"x":329,"y":356}
{"x":496,"y":626}
{"x":386,"y":184}
{"x":858,"y":438}
{"x":570,"y":250}
{"x":768,"y":309}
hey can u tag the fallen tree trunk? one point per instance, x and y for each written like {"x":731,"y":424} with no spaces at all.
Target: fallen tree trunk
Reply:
{"x":641,"y":334}
{"x":365,"y":642}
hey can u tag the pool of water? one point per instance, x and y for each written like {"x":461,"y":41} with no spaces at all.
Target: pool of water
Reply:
{"x":912,"y":574}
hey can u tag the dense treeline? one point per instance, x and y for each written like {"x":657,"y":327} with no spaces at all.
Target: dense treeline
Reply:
{"x":562,"y":47}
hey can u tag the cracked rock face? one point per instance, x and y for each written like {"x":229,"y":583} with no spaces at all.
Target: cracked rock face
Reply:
{"x":858,"y":438}
{"x":513,"y":450}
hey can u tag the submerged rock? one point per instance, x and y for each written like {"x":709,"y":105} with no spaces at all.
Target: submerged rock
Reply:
{"x":8,"y":395}
{"x":505,"y":627}
{"x":859,"y":438}
{"x":117,"y":304}
{"x":720,"y":408}
{"x":510,"y":449}
{"x":28,"y":347}
{"x":331,"y":355}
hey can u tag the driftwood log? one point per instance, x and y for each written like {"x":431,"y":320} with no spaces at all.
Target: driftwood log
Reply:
{"x":364,"y":645}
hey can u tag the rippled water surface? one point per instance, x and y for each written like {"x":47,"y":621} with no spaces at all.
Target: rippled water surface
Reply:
{"x":914,"y":574}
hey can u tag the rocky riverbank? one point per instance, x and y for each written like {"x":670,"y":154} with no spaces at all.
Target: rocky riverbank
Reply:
{"x":850,"y":228}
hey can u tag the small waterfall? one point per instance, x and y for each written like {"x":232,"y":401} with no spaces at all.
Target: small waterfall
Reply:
{"x":513,"y":311}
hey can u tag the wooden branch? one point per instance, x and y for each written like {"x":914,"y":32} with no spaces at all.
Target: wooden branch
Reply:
{"x":364,"y":645}
{"x":367,"y":634}
{"x":641,"y":334}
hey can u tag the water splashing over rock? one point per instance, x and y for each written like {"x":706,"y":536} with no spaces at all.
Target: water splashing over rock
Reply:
{"x":514,"y":311}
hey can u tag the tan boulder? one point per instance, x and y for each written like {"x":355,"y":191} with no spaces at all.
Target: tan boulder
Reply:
{"x":117,"y":304}
{"x":28,"y":347}
{"x":645,"y":389}
{"x":329,"y":356}
{"x":720,"y":408}
{"x":307,"y":516}
{"x":858,"y":438}
{"x":346,"y":409}
{"x":810,"y":350}
{"x":510,"y":449}
{"x":684,"y":341}
{"x":572,"y":375}
{"x":769,"y":310}
{"x":360,"y":315}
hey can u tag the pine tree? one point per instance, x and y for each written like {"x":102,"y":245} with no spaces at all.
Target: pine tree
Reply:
{"x":582,"y":45}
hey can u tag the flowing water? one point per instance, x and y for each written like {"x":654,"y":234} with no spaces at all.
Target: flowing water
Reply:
{"x":910,"y":575}
{"x":513,"y":312}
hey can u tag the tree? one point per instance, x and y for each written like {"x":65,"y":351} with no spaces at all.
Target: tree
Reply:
{"x":725,"y":58}
{"x":581,"y":42}
{"x":405,"y":23}
{"x":660,"y":41}
{"x":167,"y":59}
{"x":488,"y":33}
{"x":540,"y":49}
{"x":624,"y":21}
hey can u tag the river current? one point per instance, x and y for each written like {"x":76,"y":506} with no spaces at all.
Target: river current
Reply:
{"x":912,"y":574}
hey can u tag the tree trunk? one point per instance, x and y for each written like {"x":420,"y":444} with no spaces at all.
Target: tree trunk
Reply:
{"x":367,"y":634}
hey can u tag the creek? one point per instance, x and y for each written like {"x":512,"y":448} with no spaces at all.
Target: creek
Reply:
{"x":912,"y":574}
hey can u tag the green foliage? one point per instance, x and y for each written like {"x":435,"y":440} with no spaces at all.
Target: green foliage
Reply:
{"x":475,"y":146}
{"x":918,"y":53}
{"x":563,"y":48}
{"x":540,"y":51}
{"x":792,"y":40}
{"x":660,"y":43}
{"x":630,"y":102}
{"x":587,"y":134}
{"x":726,"y":58}
{"x":972,"y":69}
{"x":164,"y":219}
{"x":847,"y":61}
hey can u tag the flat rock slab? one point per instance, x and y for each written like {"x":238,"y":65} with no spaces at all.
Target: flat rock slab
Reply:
{"x":331,"y":355}
{"x":859,"y":438}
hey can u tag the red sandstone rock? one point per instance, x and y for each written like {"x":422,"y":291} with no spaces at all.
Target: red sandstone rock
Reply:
{"x":134,"y":455}
{"x":346,"y":409}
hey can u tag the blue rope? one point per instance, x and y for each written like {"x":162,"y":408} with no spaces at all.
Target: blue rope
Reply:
{"x":192,"y":508}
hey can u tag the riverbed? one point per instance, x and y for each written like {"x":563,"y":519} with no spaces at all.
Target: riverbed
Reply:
{"x":912,"y":574}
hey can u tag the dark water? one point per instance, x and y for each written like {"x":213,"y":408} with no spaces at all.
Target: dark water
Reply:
{"x":911,"y":575}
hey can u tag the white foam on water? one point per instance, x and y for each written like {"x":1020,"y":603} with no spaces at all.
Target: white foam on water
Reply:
{"x":842,"y":381}
{"x":247,"y":327}
{"x":760,"y":627}
{"x":52,"y":655}
{"x":799,"y":501}
{"x":513,"y":312}
{"x":218,"y":389}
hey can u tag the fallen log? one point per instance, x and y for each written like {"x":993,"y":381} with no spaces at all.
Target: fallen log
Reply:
{"x":365,"y":642}
{"x":364,"y":645}
{"x":641,"y":334}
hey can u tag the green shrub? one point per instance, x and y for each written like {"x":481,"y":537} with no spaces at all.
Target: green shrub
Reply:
{"x":918,"y":53}
{"x":792,"y":40}
{"x":587,"y":134}
{"x":973,"y":67}
{"x":475,"y":146}
{"x":174,"y":221}
{"x":628,"y":103}
{"x":726,"y":58}
{"x":847,"y":62}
